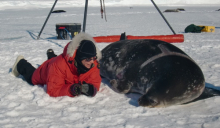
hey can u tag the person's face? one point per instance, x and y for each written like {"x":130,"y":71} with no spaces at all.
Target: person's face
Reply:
{"x":88,"y":62}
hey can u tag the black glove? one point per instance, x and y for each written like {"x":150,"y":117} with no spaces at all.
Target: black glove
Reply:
{"x":75,"y":89}
{"x":88,"y":90}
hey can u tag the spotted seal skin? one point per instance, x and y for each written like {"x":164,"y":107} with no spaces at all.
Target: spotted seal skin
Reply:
{"x":161,"y":72}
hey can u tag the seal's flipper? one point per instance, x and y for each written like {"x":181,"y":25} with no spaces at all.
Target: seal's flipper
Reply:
{"x":207,"y":93}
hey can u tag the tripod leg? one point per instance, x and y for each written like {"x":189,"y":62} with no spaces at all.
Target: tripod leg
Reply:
{"x":47,"y":19}
{"x":85,"y":16}
{"x":163,"y":17}
{"x":104,"y":10}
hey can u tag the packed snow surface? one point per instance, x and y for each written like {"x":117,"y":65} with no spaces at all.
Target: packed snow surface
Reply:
{"x":22,"y":105}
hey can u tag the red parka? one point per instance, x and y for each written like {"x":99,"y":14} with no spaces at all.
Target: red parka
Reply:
{"x":59,"y":73}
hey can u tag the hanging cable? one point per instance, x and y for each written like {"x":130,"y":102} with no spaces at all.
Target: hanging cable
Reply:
{"x":102,"y":3}
{"x":68,"y":33}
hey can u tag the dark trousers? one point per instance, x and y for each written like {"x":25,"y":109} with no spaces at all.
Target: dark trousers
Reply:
{"x":26,"y":70}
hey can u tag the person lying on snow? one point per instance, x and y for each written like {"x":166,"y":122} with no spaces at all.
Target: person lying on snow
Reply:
{"x":74,"y":72}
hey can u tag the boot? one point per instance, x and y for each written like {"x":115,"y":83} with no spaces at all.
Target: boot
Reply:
{"x":14,"y":68}
{"x":50,"y":54}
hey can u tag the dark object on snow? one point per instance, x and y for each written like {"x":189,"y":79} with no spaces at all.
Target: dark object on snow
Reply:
{"x":180,"y":9}
{"x":174,"y":10}
{"x":218,"y":10}
{"x":58,"y":11}
{"x":193,"y":29}
{"x":67,"y":30}
{"x":161,"y":72}
{"x":171,"y":10}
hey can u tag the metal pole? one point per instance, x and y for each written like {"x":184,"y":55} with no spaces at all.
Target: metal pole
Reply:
{"x":47,"y":19}
{"x":163,"y":17}
{"x":85,"y":15}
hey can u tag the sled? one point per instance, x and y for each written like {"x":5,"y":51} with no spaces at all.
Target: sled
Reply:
{"x":177,"y":38}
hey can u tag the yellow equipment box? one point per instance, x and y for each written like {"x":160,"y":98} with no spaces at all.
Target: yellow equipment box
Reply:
{"x":208,"y":28}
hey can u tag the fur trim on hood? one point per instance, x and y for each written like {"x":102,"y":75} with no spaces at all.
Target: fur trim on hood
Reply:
{"x":74,"y":44}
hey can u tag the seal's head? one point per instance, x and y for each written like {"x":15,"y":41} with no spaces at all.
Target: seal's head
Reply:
{"x":121,"y":86}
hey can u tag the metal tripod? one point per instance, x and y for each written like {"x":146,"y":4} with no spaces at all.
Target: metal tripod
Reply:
{"x":85,"y":16}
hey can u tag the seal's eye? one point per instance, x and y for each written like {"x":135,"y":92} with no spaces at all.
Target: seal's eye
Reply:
{"x":152,"y":102}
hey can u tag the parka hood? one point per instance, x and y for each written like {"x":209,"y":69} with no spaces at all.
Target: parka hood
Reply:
{"x":74,"y":44}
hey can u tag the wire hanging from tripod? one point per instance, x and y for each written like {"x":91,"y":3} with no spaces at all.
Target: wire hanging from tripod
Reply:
{"x":102,"y":4}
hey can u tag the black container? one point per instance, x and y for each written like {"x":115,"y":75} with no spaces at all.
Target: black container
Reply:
{"x":67,"y":31}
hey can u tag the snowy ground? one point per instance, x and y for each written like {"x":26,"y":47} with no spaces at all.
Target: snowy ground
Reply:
{"x":22,"y":105}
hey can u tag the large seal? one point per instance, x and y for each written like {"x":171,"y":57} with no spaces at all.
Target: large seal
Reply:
{"x":161,"y":72}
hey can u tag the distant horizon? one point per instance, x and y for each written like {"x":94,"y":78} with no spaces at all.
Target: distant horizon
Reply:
{"x":26,"y":4}
{"x":80,"y":3}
